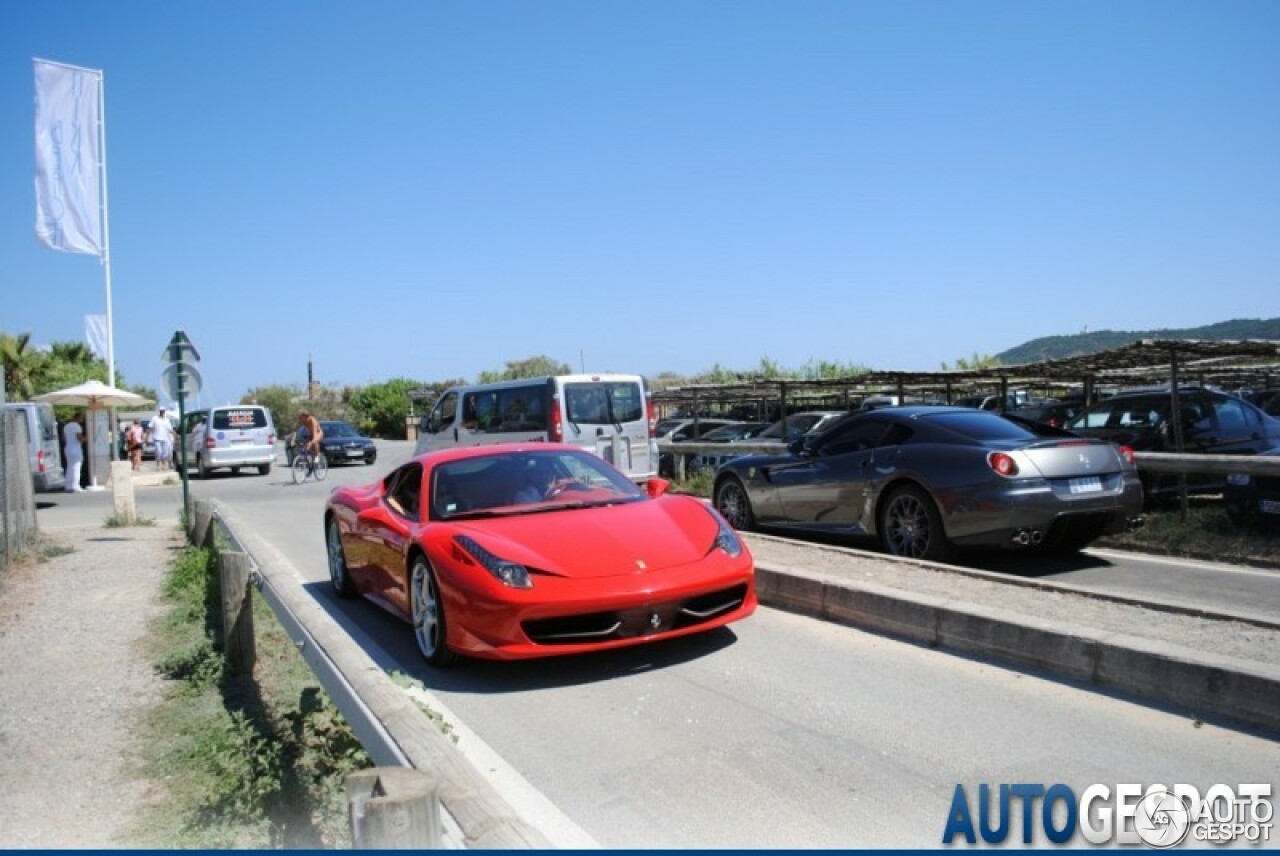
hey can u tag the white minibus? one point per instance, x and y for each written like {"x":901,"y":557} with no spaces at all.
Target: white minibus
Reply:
{"x":609,"y":415}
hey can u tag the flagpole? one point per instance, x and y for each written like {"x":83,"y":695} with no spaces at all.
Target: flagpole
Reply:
{"x":106,"y":225}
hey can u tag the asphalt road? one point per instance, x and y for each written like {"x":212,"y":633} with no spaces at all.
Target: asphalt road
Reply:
{"x":780,"y":731}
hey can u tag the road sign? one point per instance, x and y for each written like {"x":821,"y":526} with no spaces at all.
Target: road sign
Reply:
{"x":180,"y":350}
{"x":189,"y":375}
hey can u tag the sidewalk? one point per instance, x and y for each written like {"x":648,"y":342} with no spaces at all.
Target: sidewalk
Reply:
{"x":74,"y":679}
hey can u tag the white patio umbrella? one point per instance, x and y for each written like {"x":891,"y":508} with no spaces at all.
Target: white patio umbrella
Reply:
{"x":95,"y":395}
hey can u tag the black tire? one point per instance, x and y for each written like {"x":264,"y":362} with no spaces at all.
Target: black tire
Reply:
{"x":427,"y":614}
{"x":370,"y":458}
{"x":264,"y":469}
{"x":201,"y":466}
{"x":338,"y":576}
{"x":910,"y":526}
{"x":734,"y":504}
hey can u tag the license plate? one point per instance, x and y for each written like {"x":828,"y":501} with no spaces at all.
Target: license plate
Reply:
{"x":1269,"y":506}
{"x":354,"y":453}
{"x":1088,"y":484}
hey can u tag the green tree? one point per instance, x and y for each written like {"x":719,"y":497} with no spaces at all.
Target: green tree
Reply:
{"x":382,"y":407}
{"x":284,"y":402}
{"x":975,"y":363}
{"x":532,"y":367}
{"x":22,"y":365}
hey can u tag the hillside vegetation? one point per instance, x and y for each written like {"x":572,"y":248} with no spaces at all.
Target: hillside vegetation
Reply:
{"x":1059,"y":347}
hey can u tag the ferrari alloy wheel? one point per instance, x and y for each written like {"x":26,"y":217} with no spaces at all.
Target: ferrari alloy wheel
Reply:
{"x":734,"y":505}
{"x":428,"y":614}
{"x":338,"y":563}
{"x":910,"y":526}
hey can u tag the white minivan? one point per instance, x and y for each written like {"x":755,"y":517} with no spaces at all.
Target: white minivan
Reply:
{"x":41,"y":442}
{"x":233,"y":436}
{"x":609,"y":415}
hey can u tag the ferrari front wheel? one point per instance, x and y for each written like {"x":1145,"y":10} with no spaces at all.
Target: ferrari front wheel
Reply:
{"x":428,"y":614}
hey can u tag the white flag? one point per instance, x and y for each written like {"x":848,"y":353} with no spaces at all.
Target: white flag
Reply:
{"x":68,"y":210}
{"x":95,"y":334}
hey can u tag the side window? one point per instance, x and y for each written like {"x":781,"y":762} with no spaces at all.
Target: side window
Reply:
{"x":1232,"y":416}
{"x":404,"y":490}
{"x":858,"y":436}
{"x":442,"y":414}
{"x":521,"y":408}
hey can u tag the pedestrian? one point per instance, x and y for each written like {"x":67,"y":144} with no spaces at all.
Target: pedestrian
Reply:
{"x":133,"y":445}
{"x":162,"y":437}
{"x":73,"y":448}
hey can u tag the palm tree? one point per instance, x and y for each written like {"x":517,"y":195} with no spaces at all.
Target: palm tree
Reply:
{"x":20,"y":365}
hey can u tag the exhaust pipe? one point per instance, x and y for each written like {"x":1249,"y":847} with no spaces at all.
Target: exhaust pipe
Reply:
{"x":1027,"y":537}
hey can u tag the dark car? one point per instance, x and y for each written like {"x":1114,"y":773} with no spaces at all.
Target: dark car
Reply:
{"x":798,"y":424}
{"x":1254,"y":499}
{"x":739,"y":432}
{"x":926,"y":479}
{"x":678,"y":431}
{"x":1055,"y":413}
{"x":1213,"y":423}
{"x":341,"y":443}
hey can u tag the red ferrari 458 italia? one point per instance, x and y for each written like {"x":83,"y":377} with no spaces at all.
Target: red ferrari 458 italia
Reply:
{"x":512,"y":551}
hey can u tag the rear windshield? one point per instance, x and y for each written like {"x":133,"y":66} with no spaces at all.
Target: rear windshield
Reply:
{"x":982,"y":425}
{"x":241,"y":417}
{"x":603,"y":403}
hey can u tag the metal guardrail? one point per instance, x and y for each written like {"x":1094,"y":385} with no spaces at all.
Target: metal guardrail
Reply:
{"x":388,"y":724}
{"x":1158,"y":462}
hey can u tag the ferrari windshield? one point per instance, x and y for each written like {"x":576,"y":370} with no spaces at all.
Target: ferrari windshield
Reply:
{"x":527,"y":480}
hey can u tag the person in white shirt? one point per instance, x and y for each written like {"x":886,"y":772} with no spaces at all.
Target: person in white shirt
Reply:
{"x":73,"y":446}
{"x":162,"y":437}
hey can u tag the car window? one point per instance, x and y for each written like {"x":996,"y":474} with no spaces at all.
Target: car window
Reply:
{"x":981,"y":425}
{"x":404,"y":490}
{"x":857,"y":436}
{"x":1233,"y":416}
{"x":239,"y":417}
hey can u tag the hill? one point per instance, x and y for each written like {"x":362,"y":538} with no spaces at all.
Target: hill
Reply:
{"x":1058,"y":347}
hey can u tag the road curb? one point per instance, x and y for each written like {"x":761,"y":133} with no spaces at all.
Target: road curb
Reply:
{"x":1205,"y":685}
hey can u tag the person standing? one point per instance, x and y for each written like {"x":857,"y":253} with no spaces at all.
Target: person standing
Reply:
{"x":73,"y":448}
{"x":133,"y":445}
{"x":162,"y":437}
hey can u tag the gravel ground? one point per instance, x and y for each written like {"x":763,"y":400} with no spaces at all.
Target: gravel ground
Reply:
{"x":74,"y":681}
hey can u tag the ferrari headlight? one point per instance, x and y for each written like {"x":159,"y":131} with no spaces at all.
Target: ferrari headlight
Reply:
{"x":726,"y":538}
{"x":508,"y":573}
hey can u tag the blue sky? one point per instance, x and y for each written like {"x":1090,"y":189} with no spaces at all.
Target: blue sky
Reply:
{"x":648,"y":186}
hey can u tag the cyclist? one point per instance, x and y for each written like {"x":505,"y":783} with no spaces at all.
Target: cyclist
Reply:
{"x":308,"y":423}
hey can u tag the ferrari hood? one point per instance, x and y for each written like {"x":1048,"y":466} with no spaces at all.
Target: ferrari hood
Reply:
{"x":610,"y":541}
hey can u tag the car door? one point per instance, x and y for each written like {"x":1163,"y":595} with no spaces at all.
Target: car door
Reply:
{"x":827,"y":487}
{"x":386,"y":534}
{"x":1237,"y":428}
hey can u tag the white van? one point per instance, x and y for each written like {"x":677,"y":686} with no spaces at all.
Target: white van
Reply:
{"x":42,"y":443}
{"x":229,"y":437}
{"x":609,"y":415}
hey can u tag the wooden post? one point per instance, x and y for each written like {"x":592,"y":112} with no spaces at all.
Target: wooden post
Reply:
{"x":394,"y":808}
{"x":237,"y":612}
{"x":201,"y":524}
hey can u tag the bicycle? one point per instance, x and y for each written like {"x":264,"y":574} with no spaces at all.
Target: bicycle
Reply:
{"x":309,"y":464}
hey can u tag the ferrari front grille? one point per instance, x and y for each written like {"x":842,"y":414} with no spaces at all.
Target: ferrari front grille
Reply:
{"x":652,"y":620}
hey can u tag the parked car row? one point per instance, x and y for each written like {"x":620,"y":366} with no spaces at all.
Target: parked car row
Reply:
{"x":926,"y":479}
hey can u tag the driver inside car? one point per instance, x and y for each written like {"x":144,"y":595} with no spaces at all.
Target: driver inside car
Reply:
{"x":539,"y":479}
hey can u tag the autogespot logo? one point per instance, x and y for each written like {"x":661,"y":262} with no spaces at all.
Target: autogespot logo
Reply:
{"x":1157,"y":816}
